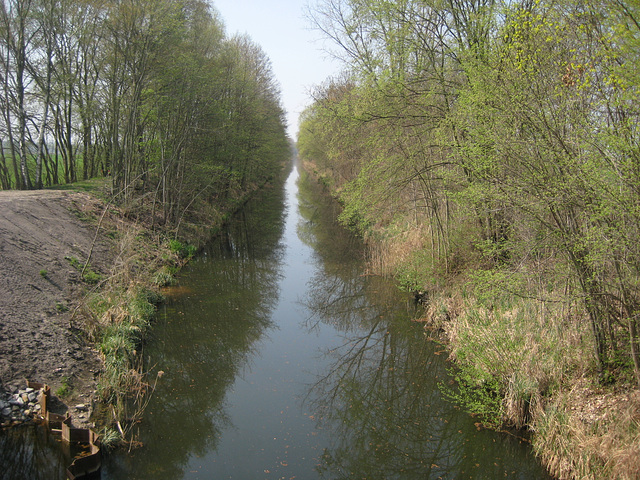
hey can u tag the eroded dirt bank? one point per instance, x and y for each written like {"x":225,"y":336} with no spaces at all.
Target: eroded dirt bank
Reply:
{"x":41,"y":232}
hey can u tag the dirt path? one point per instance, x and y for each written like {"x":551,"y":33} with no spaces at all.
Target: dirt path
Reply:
{"x":39,"y":289}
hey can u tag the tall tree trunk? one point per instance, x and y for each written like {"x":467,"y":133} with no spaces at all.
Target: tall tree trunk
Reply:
{"x":4,"y":171}
{"x":43,"y":126}
{"x":21,"y":59}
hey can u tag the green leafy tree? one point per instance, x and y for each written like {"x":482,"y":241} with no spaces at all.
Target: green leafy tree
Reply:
{"x":505,"y":130}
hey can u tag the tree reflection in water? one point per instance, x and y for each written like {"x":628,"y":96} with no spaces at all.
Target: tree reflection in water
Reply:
{"x":377,"y":396}
{"x":380,"y":398}
{"x":205,"y":340}
{"x":34,"y":453}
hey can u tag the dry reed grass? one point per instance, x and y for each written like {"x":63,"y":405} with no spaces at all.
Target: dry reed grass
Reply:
{"x":587,"y":432}
{"x":520,"y":342}
{"x":386,"y":256}
{"x":542,"y":356}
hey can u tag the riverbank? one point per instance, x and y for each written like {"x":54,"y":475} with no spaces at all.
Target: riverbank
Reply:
{"x":522,"y":365}
{"x":80,"y":279}
{"x":521,"y":361}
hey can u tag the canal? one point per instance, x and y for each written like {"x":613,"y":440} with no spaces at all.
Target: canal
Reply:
{"x":282,"y":359}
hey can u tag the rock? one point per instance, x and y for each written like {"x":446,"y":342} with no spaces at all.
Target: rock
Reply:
{"x":27,"y":413}
{"x":81,"y":407}
{"x":24,"y":397}
{"x":6,"y":412}
{"x":29,"y":390}
{"x":32,"y":397}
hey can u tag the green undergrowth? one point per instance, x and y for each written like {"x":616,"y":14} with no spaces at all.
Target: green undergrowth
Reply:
{"x":97,"y":186}
{"x":181,"y":249}
{"x":89,"y":275}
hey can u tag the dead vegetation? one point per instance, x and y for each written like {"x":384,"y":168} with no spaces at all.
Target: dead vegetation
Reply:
{"x":542,"y":357}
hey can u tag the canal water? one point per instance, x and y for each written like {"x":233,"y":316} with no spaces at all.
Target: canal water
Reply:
{"x":282,"y":359}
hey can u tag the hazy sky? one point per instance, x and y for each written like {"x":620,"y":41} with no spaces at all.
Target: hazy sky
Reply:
{"x":285,"y":35}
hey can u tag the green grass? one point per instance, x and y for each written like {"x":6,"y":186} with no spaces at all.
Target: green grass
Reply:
{"x":89,"y":276}
{"x":74,"y":262}
{"x":95,"y":186}
{"x":121,"y":341}
{"x":181,"y":249}
{"x":164,"y":277}
{"x":110,"y":438}
{"x":92,"y":185}
{"x":64,"y":389}
{"x":61,"y":307}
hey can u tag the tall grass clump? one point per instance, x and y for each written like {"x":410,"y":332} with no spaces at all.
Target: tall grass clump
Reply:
{"x":164,"y":277}
{"x":590,"y":433}
{"x":183,"y":250}
{"x":121,"y":341}
{"x":524,"y":348}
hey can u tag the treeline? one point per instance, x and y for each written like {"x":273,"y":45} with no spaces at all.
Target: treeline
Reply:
{"x":498,"y":141}
{"x":149,"y":92}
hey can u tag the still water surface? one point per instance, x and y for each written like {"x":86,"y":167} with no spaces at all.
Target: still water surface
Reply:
{"x":283,"y":360}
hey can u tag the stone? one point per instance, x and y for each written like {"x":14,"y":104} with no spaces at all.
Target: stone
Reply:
{"x":32,"y":397}
{"x":28,"y":390}
{"x":81,"y":407}
{"x":6,"y":412}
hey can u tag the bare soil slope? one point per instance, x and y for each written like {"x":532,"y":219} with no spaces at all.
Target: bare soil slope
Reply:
{"x":39,"y":288}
